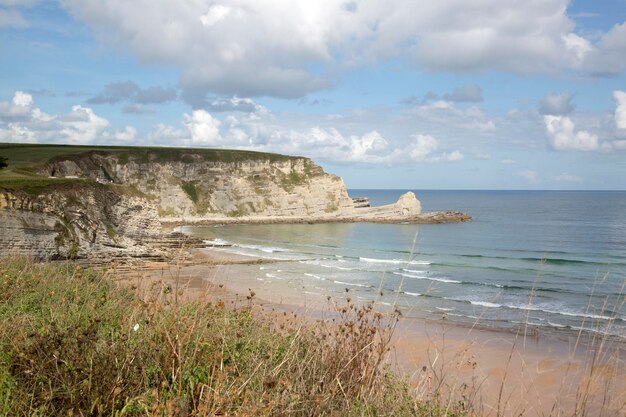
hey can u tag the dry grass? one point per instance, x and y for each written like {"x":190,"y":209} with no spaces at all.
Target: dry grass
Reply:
{"x":585,"y":380}
{"x":74,"y":343}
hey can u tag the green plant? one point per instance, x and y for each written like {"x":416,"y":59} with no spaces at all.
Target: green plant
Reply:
{"x":166,"y":212}
{"x":191,"y":190}
{"x":74,"y":343}
{"x":239,"y":212}
{"x":3,"y":162}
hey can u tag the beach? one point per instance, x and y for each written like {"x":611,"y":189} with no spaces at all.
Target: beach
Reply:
{"x":501,"y":372}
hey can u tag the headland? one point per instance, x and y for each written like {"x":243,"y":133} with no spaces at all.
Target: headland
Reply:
{"x":59,"y":201}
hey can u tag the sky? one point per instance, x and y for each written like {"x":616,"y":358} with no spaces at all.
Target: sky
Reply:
{"x":400,"y":94}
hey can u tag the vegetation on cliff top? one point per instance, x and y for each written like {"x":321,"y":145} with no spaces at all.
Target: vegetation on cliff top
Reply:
{"x":27,"y":161}
{"x":28,"y":158}
{"x":74,"y":343}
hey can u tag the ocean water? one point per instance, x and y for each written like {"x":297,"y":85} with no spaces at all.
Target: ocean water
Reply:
{"x":549,"y":259}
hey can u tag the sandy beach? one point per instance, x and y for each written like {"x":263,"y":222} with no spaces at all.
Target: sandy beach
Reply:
{"x":501,"y":373}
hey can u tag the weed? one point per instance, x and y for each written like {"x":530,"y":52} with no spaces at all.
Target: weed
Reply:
{"x":74,"y":343}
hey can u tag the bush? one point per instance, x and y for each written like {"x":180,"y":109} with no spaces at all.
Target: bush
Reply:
{"x":73,"y":343}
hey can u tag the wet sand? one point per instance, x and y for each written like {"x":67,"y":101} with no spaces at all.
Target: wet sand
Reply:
{"x":500,"y":373}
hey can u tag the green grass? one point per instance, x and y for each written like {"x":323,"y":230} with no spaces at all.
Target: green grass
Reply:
{"x":191,"y":190}
{"x":73,"y":343}
{"x":30,"y":157}
{"x":35,"y":185}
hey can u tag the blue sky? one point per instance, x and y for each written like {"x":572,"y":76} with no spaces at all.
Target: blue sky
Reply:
{"x":496,"y":94}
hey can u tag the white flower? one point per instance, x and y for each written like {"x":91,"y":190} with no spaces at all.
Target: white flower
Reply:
{"x":136,"y":327}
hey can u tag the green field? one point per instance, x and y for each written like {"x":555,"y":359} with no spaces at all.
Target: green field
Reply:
{"x":25,"y":160}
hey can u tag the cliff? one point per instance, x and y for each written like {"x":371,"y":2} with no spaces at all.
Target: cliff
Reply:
{"x":77,"y":220}
{"x":81,"y":202}
{"x":197,"y":184}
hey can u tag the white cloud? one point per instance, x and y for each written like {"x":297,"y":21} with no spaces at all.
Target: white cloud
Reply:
{"x":262,"y":132}
{"x":453,"y":156}
{"x":620,"y":110}
{"x":10,"y":18}
{"x":508,"y":161}
{"x":557,"y":104}
{"x":82,"y":125}
{"x":21,"y":121}
{"x":565,"y":177}
{"x":367,"y":146}
{"x":469,"y":92}
{"x":126,"y":135}
{"x":579,"y":46}
{"x":22,"y":99}
{"x":204,"y":129}
{"x":422,"y":147}
{"x":563,"y":137}
{"x":234,"y":104}
{"x":254,"y":48}
{"x":530,"y":175}
{"x":608,"y":56}
{"x":14,"y":132}
{"x":216,"y":13}
{"x":18,"y":107}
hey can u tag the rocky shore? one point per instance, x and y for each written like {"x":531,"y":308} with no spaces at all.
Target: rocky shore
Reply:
{"x":112,"y":203}
{"x":406,"y":210}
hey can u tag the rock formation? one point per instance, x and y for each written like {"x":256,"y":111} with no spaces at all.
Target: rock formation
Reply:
{"x":119,"y":198}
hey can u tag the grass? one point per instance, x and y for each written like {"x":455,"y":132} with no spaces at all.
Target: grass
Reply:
{"x":74,"y":343}
{"x":191,"y":189}
{"x":26,"y":159}
{"x":293,"y":179}
{"x":37,"y":184}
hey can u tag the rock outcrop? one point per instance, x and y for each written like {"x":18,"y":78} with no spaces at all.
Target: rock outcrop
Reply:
{"x":192,"y":185}
{"x":118,"y":199}
{"x":84,"y":220}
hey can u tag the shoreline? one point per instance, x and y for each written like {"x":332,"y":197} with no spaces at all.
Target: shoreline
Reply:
{"x":434,"y":217}
{"x":534,"y":371}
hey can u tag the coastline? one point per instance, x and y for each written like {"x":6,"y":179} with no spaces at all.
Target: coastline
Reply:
{"x":532,"y":371}
{"x":434,"y":217}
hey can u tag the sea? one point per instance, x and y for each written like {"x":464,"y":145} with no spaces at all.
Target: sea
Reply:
{"x":551,"y":260}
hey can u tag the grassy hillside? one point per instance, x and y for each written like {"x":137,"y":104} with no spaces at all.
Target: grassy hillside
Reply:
{"x":24,"y":160}
{"x":73,"y":343}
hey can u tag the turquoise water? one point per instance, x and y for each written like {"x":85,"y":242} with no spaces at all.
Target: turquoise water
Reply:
{"x":555,"y":260}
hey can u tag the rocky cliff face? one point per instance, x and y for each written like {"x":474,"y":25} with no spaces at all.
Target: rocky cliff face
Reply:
{"x":78,"y":221}
{"x":192,"y":185}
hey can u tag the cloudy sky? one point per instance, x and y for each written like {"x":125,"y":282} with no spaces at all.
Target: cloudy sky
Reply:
{"x":484,"y":94}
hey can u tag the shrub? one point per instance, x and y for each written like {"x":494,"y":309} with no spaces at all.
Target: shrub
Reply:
{"x":73,"y":343}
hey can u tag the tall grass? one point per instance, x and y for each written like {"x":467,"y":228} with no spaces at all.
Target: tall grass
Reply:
{"x":72,"y":342}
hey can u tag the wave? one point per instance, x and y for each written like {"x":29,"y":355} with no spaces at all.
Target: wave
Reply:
{"x":414,"y":294}
{"x":392,"y":261}
{"x":486,"y":304}
{"x":254,"y":255}
{"x":446,"y":280}
{"x":318,"y":263}
{"x":217,"y":242}
{"x":266,"y":249}
{"x":415,"y":271}
{"x":352,"y":284}
{"x":530,"y":307}
{"x":314,"y":276}
{"x":582,"y":315}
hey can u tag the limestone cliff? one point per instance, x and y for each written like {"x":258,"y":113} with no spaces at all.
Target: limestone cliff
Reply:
{"x":192,"y":184}
{"x":104,"y":202}
{"x":81,"y":220}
